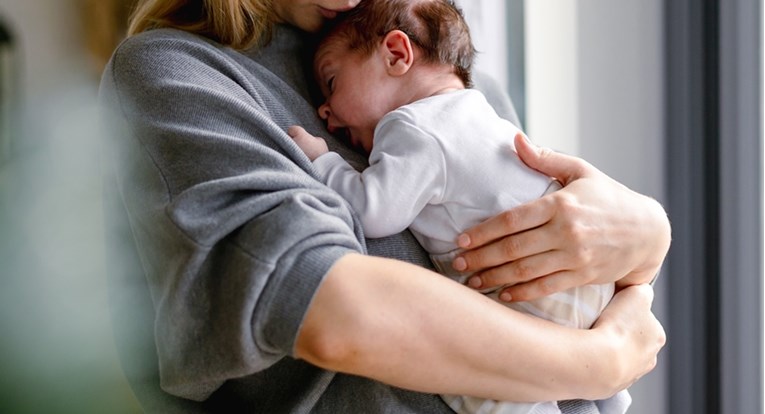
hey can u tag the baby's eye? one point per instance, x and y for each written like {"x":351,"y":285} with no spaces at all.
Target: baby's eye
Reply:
{"x":331,"y":83}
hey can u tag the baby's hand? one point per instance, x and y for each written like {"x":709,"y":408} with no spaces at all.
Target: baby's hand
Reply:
{"x":311,"y":145}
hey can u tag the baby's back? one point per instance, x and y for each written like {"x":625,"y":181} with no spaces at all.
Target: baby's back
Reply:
{"x":483,"y":174}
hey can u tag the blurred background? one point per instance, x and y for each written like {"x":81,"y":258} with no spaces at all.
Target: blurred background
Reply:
{"x":663,"y":95}
{"x":56,"y":353}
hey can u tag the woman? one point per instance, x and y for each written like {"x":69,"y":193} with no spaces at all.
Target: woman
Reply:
{"x":262,"y":298}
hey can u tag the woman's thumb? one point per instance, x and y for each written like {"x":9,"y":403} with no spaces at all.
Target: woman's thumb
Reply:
{"x":564,"y":168}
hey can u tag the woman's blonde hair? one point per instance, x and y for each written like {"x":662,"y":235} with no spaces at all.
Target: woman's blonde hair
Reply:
{"x":236,"y":23}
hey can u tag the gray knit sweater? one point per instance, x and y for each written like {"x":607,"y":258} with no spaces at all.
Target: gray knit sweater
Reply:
{"x":219,"y":233}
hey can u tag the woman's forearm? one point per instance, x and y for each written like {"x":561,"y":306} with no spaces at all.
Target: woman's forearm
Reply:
{"x":412,"y":328}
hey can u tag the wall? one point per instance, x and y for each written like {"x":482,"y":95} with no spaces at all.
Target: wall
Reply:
{"x":486,"y":19}
{"x":594,"y":85}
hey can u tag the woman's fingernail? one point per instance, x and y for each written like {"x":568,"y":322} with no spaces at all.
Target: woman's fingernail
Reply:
{"x":463,"y":240}
{"x":459,"y":264}
{"x":475,"y":282}
{"x":505,"y":296}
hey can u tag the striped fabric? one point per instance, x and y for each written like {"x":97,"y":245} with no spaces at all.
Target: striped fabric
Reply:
{"x":578,"y":407}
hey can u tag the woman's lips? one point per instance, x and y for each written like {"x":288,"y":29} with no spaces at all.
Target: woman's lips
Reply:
{"x":332,"y":13}
{"x":328,"y":14}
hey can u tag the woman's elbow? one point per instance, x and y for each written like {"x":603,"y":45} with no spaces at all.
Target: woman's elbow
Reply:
{"x":325,"y":350}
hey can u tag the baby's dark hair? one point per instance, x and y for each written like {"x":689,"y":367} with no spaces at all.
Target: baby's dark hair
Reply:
{"x":437,"y":27}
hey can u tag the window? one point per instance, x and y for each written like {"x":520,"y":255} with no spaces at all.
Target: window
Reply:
{"x":714,"y":147}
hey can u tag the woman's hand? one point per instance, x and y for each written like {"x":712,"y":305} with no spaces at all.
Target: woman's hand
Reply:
{"x":594,"y":230}
{"x":629,"y":324}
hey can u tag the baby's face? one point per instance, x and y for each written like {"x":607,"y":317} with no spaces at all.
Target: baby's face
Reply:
{"x":356,"y":89}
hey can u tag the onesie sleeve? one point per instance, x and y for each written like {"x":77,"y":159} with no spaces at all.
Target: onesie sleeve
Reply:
{"x":405,"y":173}
{"x":234,"y":236}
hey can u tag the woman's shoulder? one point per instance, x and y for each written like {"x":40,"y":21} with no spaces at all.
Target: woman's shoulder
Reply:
{"x":163,"y":44}
{"x":166,"y":36}
{"x":157,"y":56}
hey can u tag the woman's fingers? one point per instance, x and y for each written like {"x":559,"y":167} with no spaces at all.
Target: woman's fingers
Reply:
{"x":540,"y":287}
{"x":524,"y":277}
{"x":524,"y":217}
{"x":503,"y":250}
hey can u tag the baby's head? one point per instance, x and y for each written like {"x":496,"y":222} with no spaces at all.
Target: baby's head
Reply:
{"x":436,"y":27}
{"x":387,"y":53}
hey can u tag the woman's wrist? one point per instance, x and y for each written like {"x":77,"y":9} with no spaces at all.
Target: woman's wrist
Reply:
{"x":657,"y":238}
{"x":626,"y":340}
{"x":609,"y":373}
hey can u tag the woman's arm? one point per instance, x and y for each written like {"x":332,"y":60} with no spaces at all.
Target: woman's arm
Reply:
{"x":594,"y":230}
{"x":232,"y":235}
{"x":411,"y":328}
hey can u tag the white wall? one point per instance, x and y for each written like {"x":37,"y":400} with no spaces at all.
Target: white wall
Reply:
{"x":594,"y":73}
{"x":486,"y":19}
{"x":552,"y":68}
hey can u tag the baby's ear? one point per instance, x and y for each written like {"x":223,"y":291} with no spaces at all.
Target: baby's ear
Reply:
{"x":397,"y":52}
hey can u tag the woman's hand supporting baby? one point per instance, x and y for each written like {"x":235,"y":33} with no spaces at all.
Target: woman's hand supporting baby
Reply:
{"x":312,"y":146}
{"x":594,"y":230}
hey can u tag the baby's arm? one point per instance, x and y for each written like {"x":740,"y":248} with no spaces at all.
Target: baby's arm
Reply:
{"x":312,"y":146}
{"x":393,"y":190}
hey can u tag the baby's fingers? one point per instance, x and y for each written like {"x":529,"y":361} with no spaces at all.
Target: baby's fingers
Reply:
{"x":298,"y":132}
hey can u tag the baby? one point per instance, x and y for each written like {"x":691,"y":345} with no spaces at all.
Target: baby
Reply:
{"x":396,"y":77}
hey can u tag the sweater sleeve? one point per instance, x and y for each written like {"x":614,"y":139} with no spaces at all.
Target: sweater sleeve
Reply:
{"x":233,"y":235}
